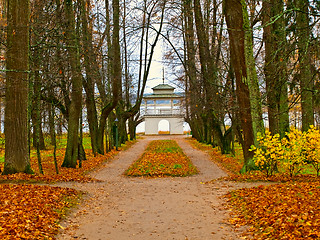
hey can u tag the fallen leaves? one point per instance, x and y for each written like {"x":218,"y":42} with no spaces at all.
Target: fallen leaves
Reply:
{"x":31,"y":211}
{"x":65,"y":174}
{"x":280,"y":211}
{"x":289,"y":210}
{"x":257,"y":176}
{"x":162,"y":158}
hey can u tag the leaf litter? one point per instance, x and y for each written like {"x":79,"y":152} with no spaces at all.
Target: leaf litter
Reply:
{"x":289,"y":208}
{"x":162,"y":158}
{"x":32,"y":211}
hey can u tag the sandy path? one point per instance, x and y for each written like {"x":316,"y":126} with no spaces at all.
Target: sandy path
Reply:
{"x":137,"y":208}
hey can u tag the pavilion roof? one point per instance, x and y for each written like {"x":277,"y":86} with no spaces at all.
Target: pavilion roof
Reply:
{"x":163,"y":87}
{"x":172,"y":95}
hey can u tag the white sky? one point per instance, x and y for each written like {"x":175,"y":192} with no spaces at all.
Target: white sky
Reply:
{"x":155,"y":78}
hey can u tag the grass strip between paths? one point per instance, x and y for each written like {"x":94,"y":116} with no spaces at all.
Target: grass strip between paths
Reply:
{"x":162,"y":158}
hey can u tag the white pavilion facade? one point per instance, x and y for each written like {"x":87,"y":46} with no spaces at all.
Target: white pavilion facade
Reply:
{"x":163,"y":104}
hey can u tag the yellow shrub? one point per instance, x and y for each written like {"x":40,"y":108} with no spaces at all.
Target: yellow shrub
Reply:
{"x":291,"y":153}
{"x":269,"y":153}
{"x":312,"y":148}
{"x":293,"y":144}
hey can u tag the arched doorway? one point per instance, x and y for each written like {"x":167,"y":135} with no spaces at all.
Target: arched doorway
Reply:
{"x":164,"y":127}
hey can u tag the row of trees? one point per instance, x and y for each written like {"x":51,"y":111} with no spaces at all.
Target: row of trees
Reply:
{"x":68,"y":57}
{"x":271,"y":65}
{"x":235,"y":59}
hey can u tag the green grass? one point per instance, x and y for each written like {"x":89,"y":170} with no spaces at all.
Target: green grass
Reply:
{"x":165,"y":146}
{"x":162,"y":158}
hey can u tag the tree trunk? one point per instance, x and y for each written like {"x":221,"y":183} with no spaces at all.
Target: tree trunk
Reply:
{"x":71,"y":155}
{"x":193,"y":93}
{"x":275,"y":66}
{"x":191,"y":70}
{"x":16,"y":108}
{"x":234,"y":19}
{"x":37,"y":123}
{"x":53,"y":136}
{"x":306,"y":78}
{"x":212,"y":109}
{"x":115,"y":75}
{"x":148,"y":60}
{"x":88,"y":81}
{"x":252,"y":78}
{"x":81,"y":151}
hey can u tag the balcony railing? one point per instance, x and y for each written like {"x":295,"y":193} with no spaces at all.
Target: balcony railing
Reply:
{"x":161,"y":112}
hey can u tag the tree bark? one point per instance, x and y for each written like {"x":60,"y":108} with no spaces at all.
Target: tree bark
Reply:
{"x":306,"y":78}
{"x":274,"y":37}
{"x":88,"y":81}
{"x":234,"y":19}
{"x":71,"y":155}
{"x":115,"y":75}
{"x":251,"y":76}
{"x":16,"y":108}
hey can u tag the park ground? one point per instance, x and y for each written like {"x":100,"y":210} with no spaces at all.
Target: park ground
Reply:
{"x":99,"y":200}
{"x":121,"y":207}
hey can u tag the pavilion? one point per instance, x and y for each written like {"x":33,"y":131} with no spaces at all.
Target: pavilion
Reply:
{"x":163,"y":105}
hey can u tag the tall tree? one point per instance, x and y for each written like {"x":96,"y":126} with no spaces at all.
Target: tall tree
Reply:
{"x":274,"y":35}
{"x":213,"y":113}
{"x":193,"y":94}
{"x":17,"y":73}
{"x":114,"y":72}
{"x":251,"y":75}
{"x":91,"y":73}
{"x":234,"y":17}
{"x":148,"y":56}
{"x":305,"y":74}
{"x":71,"y":155}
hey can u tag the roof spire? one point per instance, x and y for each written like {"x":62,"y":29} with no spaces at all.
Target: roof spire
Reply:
{"x":163,"y":75}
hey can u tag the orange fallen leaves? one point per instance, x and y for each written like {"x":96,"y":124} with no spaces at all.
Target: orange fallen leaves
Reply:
{"x":288,"y":210}
{"x":32,"y":212}
{"x":280,"y":211}
{"x":65,"y":174}
{"x":162,"y":158}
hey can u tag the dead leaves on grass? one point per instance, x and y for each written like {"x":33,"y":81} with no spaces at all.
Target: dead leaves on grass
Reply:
{"x":65,"y":174}
{"x":162,"y":158}
{"x":281,"y":211}
{"x":32,"y":212}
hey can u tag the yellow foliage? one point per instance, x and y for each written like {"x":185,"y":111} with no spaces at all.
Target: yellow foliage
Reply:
{"x":291,"y":153}
{"x":312,"y":148}
{"x":294,"y":144}
{"x":269,"y":153}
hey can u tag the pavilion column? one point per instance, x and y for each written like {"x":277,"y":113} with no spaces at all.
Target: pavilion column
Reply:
{"x":145,"y":108}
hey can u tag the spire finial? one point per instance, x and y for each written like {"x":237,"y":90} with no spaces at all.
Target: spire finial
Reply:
{"x":163,"y":75}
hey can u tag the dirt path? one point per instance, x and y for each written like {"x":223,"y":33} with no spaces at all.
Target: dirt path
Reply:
{"x":166,"y":208}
